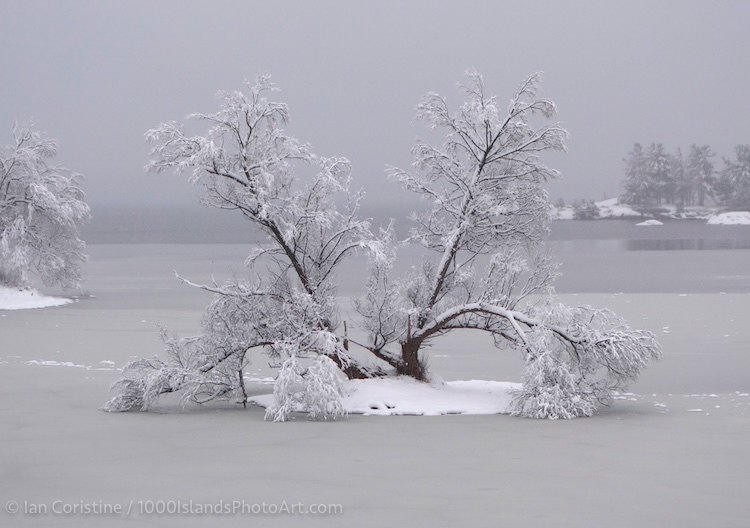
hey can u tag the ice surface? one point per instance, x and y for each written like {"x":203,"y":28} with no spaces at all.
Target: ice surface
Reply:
{"x":633,"y":465}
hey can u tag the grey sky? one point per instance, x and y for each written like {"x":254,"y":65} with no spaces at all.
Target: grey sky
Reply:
{"x":96,"y":75}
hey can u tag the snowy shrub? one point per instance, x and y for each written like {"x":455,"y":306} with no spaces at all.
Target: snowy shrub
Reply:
{"x":585,"y":210}
{"x":316,"y":390}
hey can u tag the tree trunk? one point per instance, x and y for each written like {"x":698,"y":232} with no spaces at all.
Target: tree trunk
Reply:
{"x":242,"y":387}
{"x":352,"y":369}
{"x":412,"y":365}
{"x":356,"y":372}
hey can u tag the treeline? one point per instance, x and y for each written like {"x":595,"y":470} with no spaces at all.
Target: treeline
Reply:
{"x":654,"y":177}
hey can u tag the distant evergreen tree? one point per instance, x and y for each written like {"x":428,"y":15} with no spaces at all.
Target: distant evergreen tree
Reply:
{"x":637,"y":191}
{"x":699,"y":171}
{"x":654,"y":177}
{"x":681,"y":188}
{"x":659,"y":174}
{"x":733,"y":187}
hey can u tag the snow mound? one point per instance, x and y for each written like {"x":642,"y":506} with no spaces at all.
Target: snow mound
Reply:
{"x":21,"y":299}
{"x":650,"y":223}
{"x":612,"y":208}
{"x":406,"y":396}
{"x":731,"y":218}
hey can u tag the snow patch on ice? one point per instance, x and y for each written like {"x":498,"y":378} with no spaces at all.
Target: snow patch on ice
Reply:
{"x":52,"y":363}
{"x":406,"y":396}
{"x":731,"y":218}
{"x":650,"y":223}
{"x":22,"y":299}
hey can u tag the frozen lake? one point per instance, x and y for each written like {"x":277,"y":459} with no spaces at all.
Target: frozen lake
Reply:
{"x":673,"y":453}
{"x":597,"y":256}
{"x":678,"y":257}
{"x":198,"y":224}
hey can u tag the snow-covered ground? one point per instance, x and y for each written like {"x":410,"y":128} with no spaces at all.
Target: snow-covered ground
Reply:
{"x":612,"y":208}
{"x":692,"y":212}
{"x":405,"y":396}
{"x":731,"y":218}
{"x":21,"y":299}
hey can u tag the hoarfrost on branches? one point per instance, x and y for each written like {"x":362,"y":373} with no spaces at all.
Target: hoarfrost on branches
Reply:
{"x":485,"y":267}
{"x":42,"y":208}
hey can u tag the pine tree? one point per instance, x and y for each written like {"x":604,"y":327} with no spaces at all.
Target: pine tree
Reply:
{"x":700,"y":172}
{"x":659,"y":173}
{"x":734,"y":182}
{"x":637,"y":189}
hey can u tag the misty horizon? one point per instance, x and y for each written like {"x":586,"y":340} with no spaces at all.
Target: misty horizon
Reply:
{"x":619,"y":73}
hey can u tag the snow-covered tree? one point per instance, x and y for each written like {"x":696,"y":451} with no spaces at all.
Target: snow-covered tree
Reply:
{"x":638,"y":191}
{"x":659,"y":173}
{"x":485,"y":269}
{"x":733,"y":186}
{"x":652,"y":176}
{"x":248,"y":164}
{"x":42,"y":208}
{"x":700,"y":172}
{"x":682,"y":186}
{"x":485,"y":224}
